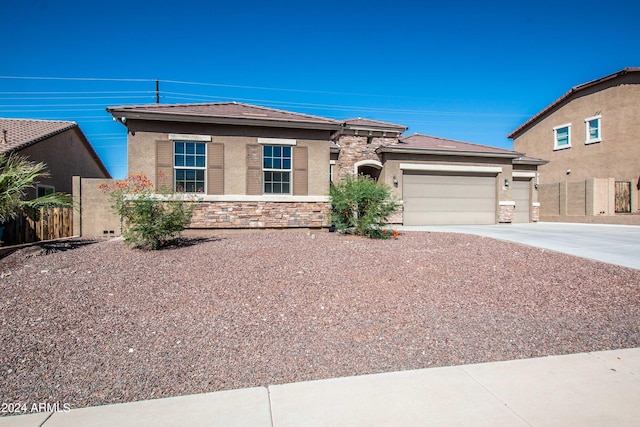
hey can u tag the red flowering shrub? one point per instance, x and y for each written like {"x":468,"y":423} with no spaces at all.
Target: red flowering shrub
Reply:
{"x":149,"y":220}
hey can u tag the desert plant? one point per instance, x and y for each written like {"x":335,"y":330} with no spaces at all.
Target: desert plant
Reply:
{"x":361,"y":206}
{"x":149,"y":220}
{"x":17,"y":175}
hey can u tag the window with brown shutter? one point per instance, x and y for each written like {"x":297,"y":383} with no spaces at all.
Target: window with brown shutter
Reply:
{"x":215,"y":168}
{"x":164,"y":165}
{"x":300,"y":171}
{"x":254,"y":169}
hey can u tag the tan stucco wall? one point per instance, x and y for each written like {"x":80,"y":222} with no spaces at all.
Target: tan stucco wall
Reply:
{"x":616,"y":156}
{"x":142,"y":151}
{"x":65,"y":156}
{"x":96,"y":217}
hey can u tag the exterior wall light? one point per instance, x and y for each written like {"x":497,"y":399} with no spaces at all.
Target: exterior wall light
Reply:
{"x":395,"y":181}
{"x":506,"y":183}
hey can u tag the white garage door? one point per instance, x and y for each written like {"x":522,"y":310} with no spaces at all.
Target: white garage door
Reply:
{"x":520,"y":193}
{"x":437,"y":199}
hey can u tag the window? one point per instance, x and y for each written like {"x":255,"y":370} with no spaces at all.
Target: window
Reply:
{"x":592,"y":130}
{"x":276,"y":169}
{"x":562,"y":137}
{"x":44,"y":190}
{"x":189,"y":163}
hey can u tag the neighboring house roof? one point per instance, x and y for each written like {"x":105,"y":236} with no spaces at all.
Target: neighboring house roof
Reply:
{"x":571,"y":92}
{"x":21,"y":133}
{"x":424,"y":144}
{"x":528,"y":160}
{"x":232,"y":113}
{"x":373,"y":125}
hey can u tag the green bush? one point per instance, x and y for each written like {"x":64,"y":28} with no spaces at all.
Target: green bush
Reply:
{"x":149,"y":220}
{"x":362,"y":206}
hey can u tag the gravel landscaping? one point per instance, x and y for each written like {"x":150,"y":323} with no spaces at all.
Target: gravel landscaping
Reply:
{"x":92,"y":323}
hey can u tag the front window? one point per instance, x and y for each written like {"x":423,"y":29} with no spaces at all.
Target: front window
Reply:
{"x":44,"y":190}
{"x":190,"y":160}
{"x":592,"y":130}
{"x":276,"y":169}
{"x":562,"y":137}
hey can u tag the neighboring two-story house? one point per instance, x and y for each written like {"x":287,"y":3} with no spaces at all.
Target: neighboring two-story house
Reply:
{"x":255,"y":167}
{"x":590,"y":137}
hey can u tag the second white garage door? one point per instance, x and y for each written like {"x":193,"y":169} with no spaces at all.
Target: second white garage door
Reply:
{"x":438,"y":199}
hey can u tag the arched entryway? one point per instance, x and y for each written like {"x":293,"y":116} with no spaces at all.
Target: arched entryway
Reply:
{"x":368,"y":168}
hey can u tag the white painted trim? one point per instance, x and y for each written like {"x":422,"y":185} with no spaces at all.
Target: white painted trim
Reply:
{"x":332,"y":162}
{"x":586,"y":130}
{"x":375,"y":163}
{"x":555,"y":137}
{"x":506,"y":203}
{"x":198,"y":197}
{"x":450,"y":168}
{"x":277,"y":141}
{"x":535,"y":204}
{"x":523,"y":174}
{"x":188,"y":137}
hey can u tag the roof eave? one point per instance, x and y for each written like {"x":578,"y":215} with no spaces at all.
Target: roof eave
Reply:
{"x":248,"y":121}
{"x":447,"y":152}
{"x":536,"y":162}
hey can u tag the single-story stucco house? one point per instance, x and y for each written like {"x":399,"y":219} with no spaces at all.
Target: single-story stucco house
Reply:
{"x":256,"y":167}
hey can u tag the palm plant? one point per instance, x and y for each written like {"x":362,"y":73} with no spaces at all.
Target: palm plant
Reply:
{"x":17,"y":174}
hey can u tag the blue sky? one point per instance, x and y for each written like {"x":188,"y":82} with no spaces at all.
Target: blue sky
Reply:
{"x":472,"y":71}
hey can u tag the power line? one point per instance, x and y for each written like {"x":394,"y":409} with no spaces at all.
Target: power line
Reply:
{"x":103,"y":79}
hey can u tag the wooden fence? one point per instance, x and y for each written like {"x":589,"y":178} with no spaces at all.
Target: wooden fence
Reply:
{"x":53,"y":223}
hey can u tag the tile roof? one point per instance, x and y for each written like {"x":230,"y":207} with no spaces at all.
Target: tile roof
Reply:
{"x":358,"y":121}
{"x":572,"y":91}
{"x":434,"y":145}
{"x":24,"y":132}
{"x":224,"y":112}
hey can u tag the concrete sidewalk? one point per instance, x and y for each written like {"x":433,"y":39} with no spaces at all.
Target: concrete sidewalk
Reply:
{"x":586,"y":389}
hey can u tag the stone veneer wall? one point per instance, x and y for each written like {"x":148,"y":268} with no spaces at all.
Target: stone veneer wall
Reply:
{"x":535,"y":213}
{"x":506,"y":213}
{"x":354,"y":148}
{"x":261,"y":215}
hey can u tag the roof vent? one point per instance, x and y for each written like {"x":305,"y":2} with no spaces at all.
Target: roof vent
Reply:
{"x":4,"y":137}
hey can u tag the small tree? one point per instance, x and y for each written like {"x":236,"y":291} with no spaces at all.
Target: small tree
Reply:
{"x":361,"y":206}
{"x":17,"y":175}
{"x":149,"y":220}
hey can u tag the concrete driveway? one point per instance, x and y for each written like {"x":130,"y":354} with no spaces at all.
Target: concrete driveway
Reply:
{"x":614,"y":244}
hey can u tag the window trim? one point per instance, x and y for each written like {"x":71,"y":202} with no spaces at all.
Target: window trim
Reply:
{"x":290,"y":170}
{"x":555,"y":137}
{"x":587,"y":139}
{"x":203,"y":168}
{"x":45,"y":187}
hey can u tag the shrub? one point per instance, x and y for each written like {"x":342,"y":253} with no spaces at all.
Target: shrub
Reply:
{"x":149,"y":220}
{"x":362,"y":206}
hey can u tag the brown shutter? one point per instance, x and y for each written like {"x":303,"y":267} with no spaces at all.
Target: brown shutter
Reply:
{"x":164,"y":165}
{"x":300,"y":171}
{"x":215,"y":168}
{"x":254,"y":169}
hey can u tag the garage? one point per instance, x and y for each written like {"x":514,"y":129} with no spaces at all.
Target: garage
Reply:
{"x":439,"y":198}
{"x":520,"y":192}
